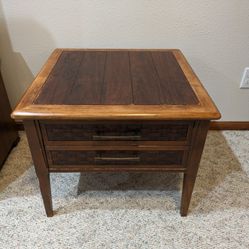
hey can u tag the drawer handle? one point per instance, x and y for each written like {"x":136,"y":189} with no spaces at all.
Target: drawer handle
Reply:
{"x":103,"y":137}
{"x":135,"y":159}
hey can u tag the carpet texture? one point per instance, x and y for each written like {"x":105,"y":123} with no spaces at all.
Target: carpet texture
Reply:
{"x":130,"y":210}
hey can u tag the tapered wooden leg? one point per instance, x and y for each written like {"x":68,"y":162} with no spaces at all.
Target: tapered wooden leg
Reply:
{"x":44,"y":181}
{"x":187,"y":189}
{"x":197,"y":144}
{"x":38,"y":155}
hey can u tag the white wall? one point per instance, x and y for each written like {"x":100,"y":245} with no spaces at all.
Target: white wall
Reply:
{"x":213,"y":34}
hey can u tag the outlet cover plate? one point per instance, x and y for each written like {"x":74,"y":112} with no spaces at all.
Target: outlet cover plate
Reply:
{"x":245,"y":79}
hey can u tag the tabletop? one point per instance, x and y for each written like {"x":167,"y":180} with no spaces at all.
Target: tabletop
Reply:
{"x":116,"y":84}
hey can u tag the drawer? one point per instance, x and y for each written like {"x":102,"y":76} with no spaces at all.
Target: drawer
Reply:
{"x":75,"y":158}
{"x":156,"y":131}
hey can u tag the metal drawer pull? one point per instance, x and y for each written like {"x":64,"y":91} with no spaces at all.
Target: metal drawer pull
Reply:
{"x":137,"y":159}
{"x":103,"y":137}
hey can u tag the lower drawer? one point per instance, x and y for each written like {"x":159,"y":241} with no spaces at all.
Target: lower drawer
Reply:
{"x":62,"y":158}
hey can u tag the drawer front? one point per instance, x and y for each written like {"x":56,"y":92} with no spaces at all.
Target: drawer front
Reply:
{"x":169,"y":131}
{"x":73,"y":158}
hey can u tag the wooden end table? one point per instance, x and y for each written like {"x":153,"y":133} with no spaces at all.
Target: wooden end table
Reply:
{"x":116,"y":110}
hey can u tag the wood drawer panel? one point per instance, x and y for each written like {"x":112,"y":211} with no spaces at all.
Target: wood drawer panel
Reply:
{"x":109,"y":132}
{"x":139,"y":158}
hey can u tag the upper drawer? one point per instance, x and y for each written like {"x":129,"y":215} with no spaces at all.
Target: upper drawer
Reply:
{"x":116,"y":131}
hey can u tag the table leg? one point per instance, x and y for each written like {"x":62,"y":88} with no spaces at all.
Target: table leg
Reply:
{"x":38,"y":155}
{"x":197,"y":144}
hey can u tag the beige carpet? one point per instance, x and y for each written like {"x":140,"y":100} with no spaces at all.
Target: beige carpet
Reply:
{"x":130,"y":210}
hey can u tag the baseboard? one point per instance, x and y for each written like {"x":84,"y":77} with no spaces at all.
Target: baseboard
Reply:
{"x":229,"y":125}
{"x":215,"y":125}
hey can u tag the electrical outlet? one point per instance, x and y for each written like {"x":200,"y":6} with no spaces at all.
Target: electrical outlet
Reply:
{"x":245,"y":79}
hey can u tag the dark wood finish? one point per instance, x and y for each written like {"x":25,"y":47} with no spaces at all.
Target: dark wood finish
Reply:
{"x":146,"y":84}
{"x":117,"y":78}
{"x":116,"y":110}
{"x":8,"y":133}
{"x":59,"y":82}
{"x":181,"y":93}
{"x":86,"y":88}
{"x":40,"y":162}
{"x":117,"y":85}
